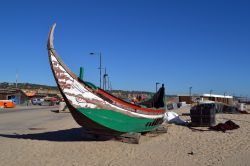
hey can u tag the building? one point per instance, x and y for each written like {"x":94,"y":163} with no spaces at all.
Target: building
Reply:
{"x":206,"y":97}
{"x":17,"y":95}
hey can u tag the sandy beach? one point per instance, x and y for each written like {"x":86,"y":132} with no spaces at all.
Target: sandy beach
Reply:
{"x":37,"y":136}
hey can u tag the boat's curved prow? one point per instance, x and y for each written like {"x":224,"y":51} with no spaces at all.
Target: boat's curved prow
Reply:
{"x":50,"y":44}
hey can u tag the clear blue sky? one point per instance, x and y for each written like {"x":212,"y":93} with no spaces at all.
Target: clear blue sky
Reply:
{"x":200,"y":43}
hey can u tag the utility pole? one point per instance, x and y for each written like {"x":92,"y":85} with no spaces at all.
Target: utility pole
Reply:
{"x":190,"y":94}
{"x":16,"y":77}
{"x":100,"y":69}
{"x":225,"y":100}
{"x":108,"y":84}
{"x":190,"y":91}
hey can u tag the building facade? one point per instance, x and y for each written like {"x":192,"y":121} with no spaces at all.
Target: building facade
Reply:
{"x":206,"y":97}
{"x":16,"y":95}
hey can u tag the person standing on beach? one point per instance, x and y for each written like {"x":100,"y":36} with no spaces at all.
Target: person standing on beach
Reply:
{"x":28,"y":102}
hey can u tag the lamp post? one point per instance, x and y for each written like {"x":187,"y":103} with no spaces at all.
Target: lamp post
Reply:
{"x":16,"y":77}
{"x":105,"y":80}
{"x":156,"y":84}
{"x":100,"y":54}
{"x":190,"y":91}
{"x":211,"y":92}
{"x":225,"y":100}
{"x":190,"y":94}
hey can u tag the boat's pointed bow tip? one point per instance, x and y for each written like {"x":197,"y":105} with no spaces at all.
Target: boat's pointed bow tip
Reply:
{"x":53,"y":26}
{"x":50,"y":44}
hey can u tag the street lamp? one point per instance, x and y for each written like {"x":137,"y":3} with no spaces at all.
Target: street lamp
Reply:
{"x":190,"y":90}
{"x":100,"y":54}
{"x":156,"y":86}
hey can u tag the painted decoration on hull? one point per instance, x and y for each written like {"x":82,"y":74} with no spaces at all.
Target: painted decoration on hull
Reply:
{"x":80,"y":96}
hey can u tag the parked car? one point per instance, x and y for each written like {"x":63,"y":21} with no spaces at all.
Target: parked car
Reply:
{"x":51,"y":101}
{"x":37,"y":101}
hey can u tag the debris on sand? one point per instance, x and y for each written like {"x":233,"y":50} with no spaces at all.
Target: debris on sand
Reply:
{"x":228,"y":125}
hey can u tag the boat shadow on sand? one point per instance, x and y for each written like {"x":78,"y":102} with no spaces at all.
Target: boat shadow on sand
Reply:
{"x":68,"y":135}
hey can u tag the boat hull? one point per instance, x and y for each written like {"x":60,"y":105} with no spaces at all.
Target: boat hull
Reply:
{"x":109,"y":121}
{"x":120,"y":122}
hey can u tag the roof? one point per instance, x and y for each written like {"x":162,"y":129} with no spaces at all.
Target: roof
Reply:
{"x":218,"y":96}
{"x":210,"y":95}
{"x":7,"y":91}
{"x":30,"y":94}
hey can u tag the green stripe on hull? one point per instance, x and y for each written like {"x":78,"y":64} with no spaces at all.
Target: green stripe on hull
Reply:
{"x":120,"y":122}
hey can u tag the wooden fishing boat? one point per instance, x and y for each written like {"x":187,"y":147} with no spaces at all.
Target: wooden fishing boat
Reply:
{"x":95,"y":109}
